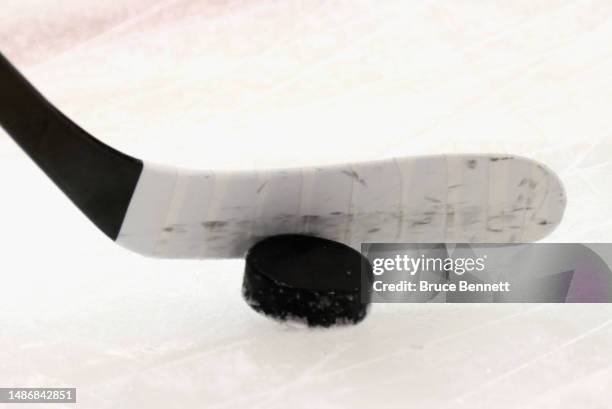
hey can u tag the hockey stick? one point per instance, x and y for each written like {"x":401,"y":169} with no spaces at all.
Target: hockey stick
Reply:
{"x":170,"y":212}
{"x":98,"y":179}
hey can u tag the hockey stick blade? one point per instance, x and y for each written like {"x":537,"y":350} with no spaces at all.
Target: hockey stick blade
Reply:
{"x":176,"y":213}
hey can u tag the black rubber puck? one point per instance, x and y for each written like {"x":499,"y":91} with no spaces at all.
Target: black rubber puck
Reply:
{"x":308,"y":279}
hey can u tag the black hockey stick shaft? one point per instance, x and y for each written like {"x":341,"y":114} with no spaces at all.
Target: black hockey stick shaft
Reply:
{"x":98,"y":179}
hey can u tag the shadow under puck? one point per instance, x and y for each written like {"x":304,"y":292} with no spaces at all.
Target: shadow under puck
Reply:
{"x":308,"y":279}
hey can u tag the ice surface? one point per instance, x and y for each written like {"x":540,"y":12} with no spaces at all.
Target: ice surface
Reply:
{"x":275,"y":83}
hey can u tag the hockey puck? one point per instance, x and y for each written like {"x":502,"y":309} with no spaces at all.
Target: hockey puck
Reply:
{"x":308,"y":279}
